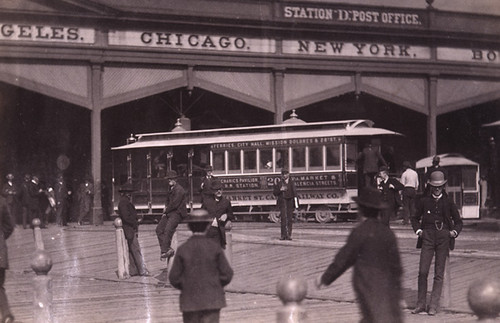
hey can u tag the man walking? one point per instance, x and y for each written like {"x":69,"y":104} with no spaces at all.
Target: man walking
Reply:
{"x":409,"y":179}
{"x":174,"y":211}
{"x":286,"y":193}
{"x":437,"y":223}
{"x":220,"y":209}
{"x":389,"y":187}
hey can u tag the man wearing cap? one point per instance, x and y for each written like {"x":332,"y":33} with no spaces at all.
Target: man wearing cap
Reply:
{"x":206,"y":184}
{"x":286,"y":195}
{"x":174,"y":211}
{"x":373,"y":251}
{"x":10,"y":192}
{"x":221,"y":211}
{"x":128,"y":214}
{"x":437,"y":223}
{"x":409,"y":179}
{"x":200,"y":270}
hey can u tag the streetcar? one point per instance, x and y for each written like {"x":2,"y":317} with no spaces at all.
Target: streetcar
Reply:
{"x":463,"y":181}
{"x":321,"y":158}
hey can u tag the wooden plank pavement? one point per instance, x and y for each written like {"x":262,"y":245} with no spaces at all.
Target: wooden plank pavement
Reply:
{"x":86,"y":288}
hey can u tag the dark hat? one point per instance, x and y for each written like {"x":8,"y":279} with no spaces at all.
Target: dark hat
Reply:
{"x":383,"y":169}
{"x":199,"y":215}
{"x":437,"y":178}
{"x":208,"y":168}
{"x":171,"y":174}
{"x":216,"y":185}
{"x":436,"y":159}
{"x":370,"y":197}
{"x":284,"y":171}
{"x":406,"y":164}
{"x":126,"y":188}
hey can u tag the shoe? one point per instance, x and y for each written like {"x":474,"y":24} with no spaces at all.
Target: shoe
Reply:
{"x":432,"y":312}
{"x":418,"y":310}
{"x":146,"y":274}
{"x":282,"y":238}
{"x":289,"y":239}
{"x":170,"y":253}
{"x":163,"y":256}
{"x":8,"y":319}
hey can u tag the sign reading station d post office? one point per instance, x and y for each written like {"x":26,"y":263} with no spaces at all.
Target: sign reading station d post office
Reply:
{"x":325,"y":13}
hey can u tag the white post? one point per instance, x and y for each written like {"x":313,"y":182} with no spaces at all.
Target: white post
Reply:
{"x":42,"y":287}
{"x":37,"y":234}
{"x":122,"y":251}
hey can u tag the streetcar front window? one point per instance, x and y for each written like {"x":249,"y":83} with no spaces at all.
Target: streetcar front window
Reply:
{"x":218,"y":163}
{"x":250,"y":161}
{"x":234,"y":161}
{"x":333,"y":156}
{"x":299,"y":159}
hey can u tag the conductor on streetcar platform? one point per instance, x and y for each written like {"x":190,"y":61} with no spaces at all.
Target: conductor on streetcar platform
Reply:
{"x":287,"y":201}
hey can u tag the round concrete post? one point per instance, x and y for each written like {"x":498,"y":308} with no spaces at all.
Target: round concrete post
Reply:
{"x":121,"y":251}
{"x":484,"y":299}
{"x":42,"y":287}
{"x":291,"y":291}
{"x":37,"y":234}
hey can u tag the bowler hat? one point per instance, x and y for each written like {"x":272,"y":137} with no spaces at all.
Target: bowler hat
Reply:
{"x":216,"y":185}
{"x":208,"y":168}
{"x":171,"y":174}
{"x":284,"y":171}
{"x":199,"y":215}
{"x":126,"y":188}
{"x":383,"y":169}
{"x":370,"y":197}
{"x":406,"y":164}
{"x":437,"y":178}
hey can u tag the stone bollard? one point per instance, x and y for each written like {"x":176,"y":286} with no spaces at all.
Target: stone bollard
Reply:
{"x":291,"y":291}
{"x":484,"y":299}
{"x":42,"y":287}
{"x":229,"y":245}
{"x":37,"y":234}
{"x":121,"y":250}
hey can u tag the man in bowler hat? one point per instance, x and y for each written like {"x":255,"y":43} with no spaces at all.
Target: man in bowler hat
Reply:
{"x":437,"y":223}
{"x":221,"y":211}
{"x":173,"y":213}
{"x":372,"y":249}
{"x":206,"y":184}
{"x":128,"y":214}
{"x":286,"y":195}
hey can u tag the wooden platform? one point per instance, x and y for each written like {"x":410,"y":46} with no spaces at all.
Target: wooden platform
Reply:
{"x":86,"y":287}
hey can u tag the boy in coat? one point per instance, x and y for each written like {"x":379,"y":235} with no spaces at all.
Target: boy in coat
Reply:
{"x":372,"y":249}
{"x":200,"y":270}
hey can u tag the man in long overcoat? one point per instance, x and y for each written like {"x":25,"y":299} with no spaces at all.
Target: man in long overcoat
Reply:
{"x":221,"y":210}
{"x":286,"y":195}
{"x":61,"y":195}
{"x":372,"y":249}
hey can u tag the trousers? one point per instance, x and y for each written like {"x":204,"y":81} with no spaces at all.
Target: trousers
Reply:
{"x":286,"y":214}
{"x":4,"y":304}
{"x":166,"y":228}
{"x":435,"y":244}
{"x":136,"y":261}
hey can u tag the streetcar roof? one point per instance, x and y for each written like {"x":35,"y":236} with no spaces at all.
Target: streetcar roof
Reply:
{"x":450,"y":159}
{"x":492,"y":124}
{"x":257,"y":133}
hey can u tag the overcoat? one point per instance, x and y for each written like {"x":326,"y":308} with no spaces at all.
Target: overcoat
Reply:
{"x":200,"y":270}
{"x":128,"y":214}
{"x":6,"y":229}
{"x":217,"y":209}
{"x":372,"y":249}
{"x":176,"y":201}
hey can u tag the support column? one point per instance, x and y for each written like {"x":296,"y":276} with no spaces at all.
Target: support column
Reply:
{"x":95,"y":129}
{"x":432,"y":116}
{"x":279,"y":96}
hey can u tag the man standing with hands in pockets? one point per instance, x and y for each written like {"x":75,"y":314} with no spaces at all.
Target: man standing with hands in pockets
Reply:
{"x":286,"y":193}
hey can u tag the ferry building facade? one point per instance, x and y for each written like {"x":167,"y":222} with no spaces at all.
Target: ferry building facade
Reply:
{"x":272,"y":55}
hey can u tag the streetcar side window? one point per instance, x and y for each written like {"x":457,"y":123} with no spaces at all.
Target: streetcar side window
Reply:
{"x":299,"y":159}
{"x":469,"y":178}
{"x":266,"y":160}
{"x":316,"y":158}
{"x":250,"y":161}
{"x":333,"y":156}
{"x":234,"y":161}
{"x":218,"y":163}
{"x":281,"y":159}
{"x":351,"y":156}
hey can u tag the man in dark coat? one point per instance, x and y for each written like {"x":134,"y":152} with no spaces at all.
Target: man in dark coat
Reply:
{"x":25,"y":200}
{"x":61,"y":194}
{"x":10,"y":191}
{"x":206,"y":184}
{"x":370,"y":159}
{"x":174,"y":211}
{"x":128,"y":214}
{"x":200,"y":270}
{"x":221,"y":211}
{"x":6,"y":229}
{"x":372,"y":249}
{"x":389,"y":187}
{"x":35,"y":194}
{"x":437,"y":223}
{"x":286,"y":195}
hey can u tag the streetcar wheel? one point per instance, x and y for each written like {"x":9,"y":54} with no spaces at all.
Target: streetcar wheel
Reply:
{"x":274,"y":216}
{"x":323,"y":215}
